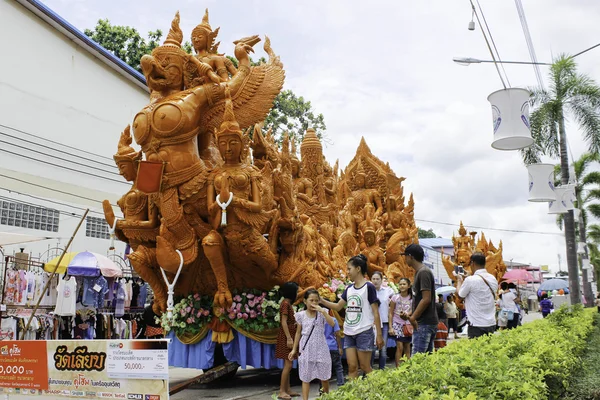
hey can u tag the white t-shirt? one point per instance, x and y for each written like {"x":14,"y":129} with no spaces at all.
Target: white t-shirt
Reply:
{"x":8,"y":329}
{"x":359,"y":314}
{"x":384,"y":294}
{"x":507,"y":301}
{"x":67,"y":297}
{"x":480,"y":302}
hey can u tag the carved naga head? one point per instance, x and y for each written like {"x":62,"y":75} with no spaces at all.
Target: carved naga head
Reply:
{"x":164,"y":68}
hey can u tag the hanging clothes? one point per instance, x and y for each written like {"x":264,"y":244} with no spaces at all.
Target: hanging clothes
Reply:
{"x":67,"y":297}
{"x":94,"y":290}
{"x":120,"y":300}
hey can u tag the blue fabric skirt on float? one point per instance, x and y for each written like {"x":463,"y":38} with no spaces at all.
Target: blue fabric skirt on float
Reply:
{"x":242,"y":349}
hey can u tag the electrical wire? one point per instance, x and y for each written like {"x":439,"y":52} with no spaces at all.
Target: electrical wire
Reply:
{"x":529,"y":42}
{"x":52,"y":141}
{"x":491,"y":229}
{"x":45,"y":200}
{"x":51,"y":189}
{"x":493,"y":42}
{"x":56,"y":150}
{"x":58,"y":158}
{"x":488,"y":44}
{"x":63,"y":167}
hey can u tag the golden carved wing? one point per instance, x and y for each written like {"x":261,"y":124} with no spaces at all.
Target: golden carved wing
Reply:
{"x":254,"y":99}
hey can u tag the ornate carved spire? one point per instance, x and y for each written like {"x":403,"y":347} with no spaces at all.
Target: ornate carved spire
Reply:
{"x":229,"y":124}
{"x":124,"y":150}
{"x":175,"y":36}
{"x":461,"y":230}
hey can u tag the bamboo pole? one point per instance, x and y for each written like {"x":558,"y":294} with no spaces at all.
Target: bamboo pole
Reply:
{"x":37,"y":305}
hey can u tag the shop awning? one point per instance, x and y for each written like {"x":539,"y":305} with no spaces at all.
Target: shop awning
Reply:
{"x":8,"y":238}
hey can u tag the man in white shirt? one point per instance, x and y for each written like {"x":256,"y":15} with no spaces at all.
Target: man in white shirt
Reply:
{"x":479,"y":293}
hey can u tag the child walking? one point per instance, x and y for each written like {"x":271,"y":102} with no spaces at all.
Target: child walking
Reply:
{"x":334,"y":341}
{"x":400,"y":311}
{"x":285,"y":338}
{"x":314,"y":361}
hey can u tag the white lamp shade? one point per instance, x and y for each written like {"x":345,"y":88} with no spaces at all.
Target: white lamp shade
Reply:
{"x":558,"y":206}
{"x":541,"y":182}
{"x":510,"y":115}
{"x":590,"y":273}
{"x":586,"y":264}
{"x":580,"y":247}
{"x":576,"y":214}
{"x":569,"y":196}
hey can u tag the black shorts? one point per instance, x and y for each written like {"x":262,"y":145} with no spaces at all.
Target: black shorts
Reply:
{"x":453,"y":323}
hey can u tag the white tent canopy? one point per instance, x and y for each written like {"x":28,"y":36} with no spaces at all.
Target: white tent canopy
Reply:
{"x":8,"y":238}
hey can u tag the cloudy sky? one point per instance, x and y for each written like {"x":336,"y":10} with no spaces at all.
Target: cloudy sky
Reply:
{"x":384,"y":70}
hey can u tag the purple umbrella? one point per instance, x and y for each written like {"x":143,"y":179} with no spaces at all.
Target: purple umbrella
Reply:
{"x":84,"y":264}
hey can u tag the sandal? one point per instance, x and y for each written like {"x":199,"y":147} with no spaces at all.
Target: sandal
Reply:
{"x":284,"y":397}
{"x":294,"y":394}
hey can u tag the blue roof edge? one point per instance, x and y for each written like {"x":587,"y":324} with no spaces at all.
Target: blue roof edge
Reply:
{"x":52,"y":18}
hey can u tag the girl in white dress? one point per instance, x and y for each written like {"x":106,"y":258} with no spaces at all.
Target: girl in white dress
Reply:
{"x":314,"y":361}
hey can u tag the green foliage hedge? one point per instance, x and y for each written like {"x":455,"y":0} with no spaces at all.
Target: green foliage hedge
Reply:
{"x":533,"y":361}
{"x":585,"y":382}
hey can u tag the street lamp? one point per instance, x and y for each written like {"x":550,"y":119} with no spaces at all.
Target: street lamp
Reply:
{"x":466,"y":61}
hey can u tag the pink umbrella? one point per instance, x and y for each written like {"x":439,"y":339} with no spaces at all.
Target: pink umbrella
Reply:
{"x":519,"y":275}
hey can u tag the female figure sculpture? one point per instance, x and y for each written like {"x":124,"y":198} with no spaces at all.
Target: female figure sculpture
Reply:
{"x":237,"y":218}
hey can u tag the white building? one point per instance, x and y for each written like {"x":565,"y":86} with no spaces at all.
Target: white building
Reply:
{"x":64,"y":101}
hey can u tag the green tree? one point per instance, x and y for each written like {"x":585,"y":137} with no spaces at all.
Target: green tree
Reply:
{"x":126,"y":42}
{"x":290,"y":112}
{"x":587,"y":182}
{"x":426,"y":234}
{"x":574,"y":95}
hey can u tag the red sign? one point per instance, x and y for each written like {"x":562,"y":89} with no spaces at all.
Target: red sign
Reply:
{"x":24,"y":364}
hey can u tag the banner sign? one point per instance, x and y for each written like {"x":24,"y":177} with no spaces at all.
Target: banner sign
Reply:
{"x":23,"y":365}
{"x":85,"y":369}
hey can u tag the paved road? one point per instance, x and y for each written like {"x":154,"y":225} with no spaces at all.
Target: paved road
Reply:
{"x":256,"y":384}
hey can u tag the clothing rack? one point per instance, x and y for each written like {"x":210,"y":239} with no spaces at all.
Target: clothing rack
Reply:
{"x":10,"y":262}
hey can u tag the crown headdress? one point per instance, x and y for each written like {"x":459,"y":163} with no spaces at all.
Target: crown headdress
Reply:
{"x":172,"y":43}
{"x":210,"y":34}
{"x":229,"y":124}
{"x":124,"y":151}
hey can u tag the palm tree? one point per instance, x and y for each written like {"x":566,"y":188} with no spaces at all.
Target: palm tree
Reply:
{"x":583,"y":181}
{"x":570,"y":94}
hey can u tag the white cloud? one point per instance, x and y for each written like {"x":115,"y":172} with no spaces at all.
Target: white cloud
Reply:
{"x":384,"y":70}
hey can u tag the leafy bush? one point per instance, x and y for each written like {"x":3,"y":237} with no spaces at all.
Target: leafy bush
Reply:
{"x":585,"y":381}
{"x":533,"y":361}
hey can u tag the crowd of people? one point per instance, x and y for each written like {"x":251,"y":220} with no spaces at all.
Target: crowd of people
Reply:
{"x":374,"y":313}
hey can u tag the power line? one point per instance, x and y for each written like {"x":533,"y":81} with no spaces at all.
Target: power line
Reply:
{"x":63,"y":167}
{"x":52,"y":141}
{"x":493,"y":41}
{"x":55,"y":149}
{"x":491,"y":229}
{"x":51,"y":189}
{"x":488,"y":44}
{"x":58,"y":158}
{"x":46,"y":200}
{"x":525,"y":26}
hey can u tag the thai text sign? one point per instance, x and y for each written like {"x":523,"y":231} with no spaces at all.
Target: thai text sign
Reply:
{"x":98,"y":369}
{"x":23,"y":365}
